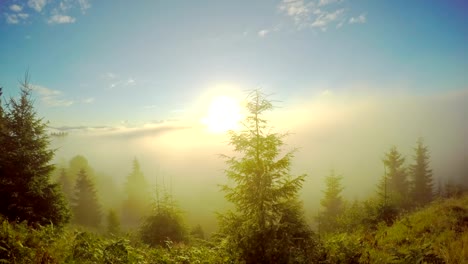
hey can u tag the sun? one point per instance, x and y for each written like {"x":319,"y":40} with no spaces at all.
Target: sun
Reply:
{"x":224,"y":113}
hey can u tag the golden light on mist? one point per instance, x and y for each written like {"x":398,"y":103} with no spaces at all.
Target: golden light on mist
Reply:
{"x":223,"y":114}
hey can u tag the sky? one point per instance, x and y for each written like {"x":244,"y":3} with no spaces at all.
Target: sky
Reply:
{"x":101,"y":63}
{"x":146,"y":78}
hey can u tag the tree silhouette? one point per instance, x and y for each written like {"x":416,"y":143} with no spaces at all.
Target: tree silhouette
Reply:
{"x":422,"y":191}
{"x":26,"y":192}
{"x":137,"y":204}
{"x":86,"y":208}
{"x":268,"y":218}
{"x":332,"y":203}
{"x":165,"y":224}
{"x":396,"y":177}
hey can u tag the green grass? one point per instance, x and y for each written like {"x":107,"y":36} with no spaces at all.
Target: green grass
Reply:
{"x":22,"y":244}
{"x":437,"y":233}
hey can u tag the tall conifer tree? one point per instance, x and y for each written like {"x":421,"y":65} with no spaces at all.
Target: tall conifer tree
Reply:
{"x":422,"y":191}
{"x":26,"y":192}
{"x":86,"y":208}
{"x":137,"y":204}
{"x":397,"y":181}
{"x":268,"y":219}
{"x":332,"y":203}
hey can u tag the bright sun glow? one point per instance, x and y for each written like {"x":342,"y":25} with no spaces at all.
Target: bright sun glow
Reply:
{"x":224,"y":113}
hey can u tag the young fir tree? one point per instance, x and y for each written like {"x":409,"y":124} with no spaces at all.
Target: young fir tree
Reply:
{"x":396,"y":176}
{"x":165,"y":224}
{"x":385,"y":208}
{"x":422,"y":191}
{"x":137,"y":204}
{"x":332,"y":203}
{"x":86,"y":208}
{"x":26,"y":192}
{"x":268,"y":221}
{"x":113,"y":223}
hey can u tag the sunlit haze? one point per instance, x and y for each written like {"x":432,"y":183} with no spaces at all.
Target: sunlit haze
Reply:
{"x":164,"y":81}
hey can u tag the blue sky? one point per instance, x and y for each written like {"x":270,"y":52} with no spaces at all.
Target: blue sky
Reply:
{"x":132,"y":62}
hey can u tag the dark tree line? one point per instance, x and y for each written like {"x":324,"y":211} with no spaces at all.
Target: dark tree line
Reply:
{"x":401,"y":188}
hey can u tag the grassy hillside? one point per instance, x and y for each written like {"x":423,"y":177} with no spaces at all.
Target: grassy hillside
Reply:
{"x":435,"y":234}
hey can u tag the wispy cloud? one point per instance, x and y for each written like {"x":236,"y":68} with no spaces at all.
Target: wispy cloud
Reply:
{"x":115,"y":80}
{"x":109,"y":75}
{"x":61,"y":19}
{"x":11,"y":19}
{"x":339,"y":25}
{"x":84,"y":5}
{"x":318,"y":14}
{"x":88,"y":100}
{"x":50,"y":97}
{"x":37,"y":5}
{"x":125,"y":131}
{"x":16,"y":18}
{"x":264,"y":32}
{"x":324,"y":18}
{"x":298,"y":10}
{"x":23,"y":15}
{"x":16,"y":8}
{"x":53,"y":11}
{"x":361,"y":19}
{"x":327,"y":2}
{"x":130,"y":81}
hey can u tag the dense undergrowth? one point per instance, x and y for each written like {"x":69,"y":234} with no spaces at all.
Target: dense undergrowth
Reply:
{"x":437,"y":233}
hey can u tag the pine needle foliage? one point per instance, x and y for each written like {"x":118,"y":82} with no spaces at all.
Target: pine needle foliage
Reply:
{"x":26,"y":191}
{"x":422,"y":191}
{"x":137,"y":203}
{"x":165,"y":224}
{"x":86,"y":207}
{"x":397,"y":185}
{"x":332,"y":203}
{"x":268,"y":221}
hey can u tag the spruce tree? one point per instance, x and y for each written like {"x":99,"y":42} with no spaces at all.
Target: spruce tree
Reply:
{"x":422,"y":191}
{"x":268,"y":220}
{"x":26,"y":192}
{"x":397,"y":177}
{"x":137,"y":204}
{"x":385,"y":209}
{"x":86,"y":208}
{"x":165,"y":224}
{"x":332,"y":203}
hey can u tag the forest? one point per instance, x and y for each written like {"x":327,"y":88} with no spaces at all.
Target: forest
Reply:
{"x":57,"y":213}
